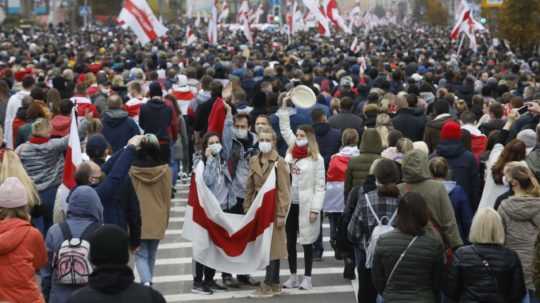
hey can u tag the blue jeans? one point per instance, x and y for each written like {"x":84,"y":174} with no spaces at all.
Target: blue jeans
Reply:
{"x":174,"y":165}
{"x":145,"y":259}
{"x":47,"y":197}
{"x":530,"y":297}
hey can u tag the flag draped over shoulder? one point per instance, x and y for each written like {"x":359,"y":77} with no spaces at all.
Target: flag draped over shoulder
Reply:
{"x":230,"y":243}
{"x":139,"y":17}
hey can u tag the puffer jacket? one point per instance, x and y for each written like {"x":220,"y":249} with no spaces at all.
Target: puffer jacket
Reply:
{"x":358,"y":169}
{"x":417,"y":278}
{"x":417,"y":178}
{"x":521,"y":218}
{"x":469,"y":281}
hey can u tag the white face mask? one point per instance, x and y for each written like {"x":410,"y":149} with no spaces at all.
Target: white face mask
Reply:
{"x":215,"y":148}
{"x":301,"y":142}
{"x":240,"y":133}
{"x":265,"y":147}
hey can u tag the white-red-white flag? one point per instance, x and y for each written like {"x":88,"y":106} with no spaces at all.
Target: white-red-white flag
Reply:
{"x":242,"y":10}
{"x":319,"y":13}
{"x":232,"y":243}
{"x":333,"y":14}
{"x":465,"y":23}
{"x":212,"y":25}
{"x":224,"y":12}
{"x":190,"y":36}
{"x":256,"y":16}
{"x":246,"y":29}
{"x":197,"y":20}
{"x":139,"y":17}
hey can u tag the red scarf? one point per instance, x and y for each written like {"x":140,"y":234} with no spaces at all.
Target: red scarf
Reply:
{"x":299,"y":153}
{"x":38,"y":140}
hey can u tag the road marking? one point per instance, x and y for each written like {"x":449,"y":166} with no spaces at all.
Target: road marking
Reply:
{"x":189,"y":260}
{"x":245,"y":293}
{"x":178,"y":209}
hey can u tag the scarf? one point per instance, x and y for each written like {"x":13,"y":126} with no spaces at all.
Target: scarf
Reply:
{"x":299,"y":153}
{"x":38,"y":140}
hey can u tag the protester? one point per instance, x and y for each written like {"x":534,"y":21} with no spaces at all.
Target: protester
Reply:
{"x":22,"y":249}
{"x":486,"y":270}
{"x":150,"y":179}
{"x":441,"y":114}
{"x":118,"y":128}
{"x":13,"y":105}
{"x":409,"y":120}
{"x":307,"y":170}
{"x":358,"y":168}
{"x":260,"y":167}
{"x":408,"y":264}
{"x":112,"y":279}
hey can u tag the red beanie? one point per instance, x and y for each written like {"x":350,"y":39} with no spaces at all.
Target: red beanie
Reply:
{"x":451,"y":130}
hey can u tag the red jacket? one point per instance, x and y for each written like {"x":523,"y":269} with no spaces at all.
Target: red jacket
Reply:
{"x":216,"y":120}
{"x":22,"y":254}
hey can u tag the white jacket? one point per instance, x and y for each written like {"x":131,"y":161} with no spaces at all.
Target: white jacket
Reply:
{"x":311,"y":183}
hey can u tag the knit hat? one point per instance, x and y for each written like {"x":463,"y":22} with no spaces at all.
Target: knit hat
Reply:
{"x":155,"y":90}
{"x":109,"y":245}
{"x":451,"y":130}
{"x":96,"y":146}
{"x":13,"y":194}
{"x":527,"y":136}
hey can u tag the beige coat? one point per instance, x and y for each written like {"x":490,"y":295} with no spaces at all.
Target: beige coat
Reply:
{"x":153,"y":188}
{"x":259,"y":169}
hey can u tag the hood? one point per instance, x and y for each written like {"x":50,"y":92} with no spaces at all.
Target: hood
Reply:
{"x":521,"y":208}
{"x":203,"y":96}
{"x":61,"y":123}
{"x":533,"y":160}
{"x":84,"y":203}
{"x":149,"y":175}
{"x":449,"y":185}
{"x":114,"y":117}
{"x":156,"y":104}
{"x":321,"y":129}
{"x":12,"y":233}
{"x":371,"y":142}
{"x":438,"y":122}
{"x":349,"y":151}
{"x":392,"y":154}
{"x":450,"y":148}
{"x":415,"y":167}
{"x":111,"y":279}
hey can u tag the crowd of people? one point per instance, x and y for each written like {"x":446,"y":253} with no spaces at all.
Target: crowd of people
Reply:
{"x":424,"y":163}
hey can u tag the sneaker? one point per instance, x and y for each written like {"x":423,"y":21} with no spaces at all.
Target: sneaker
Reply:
{"x":306,"y":284}
{"x":276,"y":289}
{"x":215,"y":286}
{"x":263,"y":291}
{"x":292,"y":282}
{"x":201,"y":288}
{"x":248,"y":281}
{"x":230,"y":282}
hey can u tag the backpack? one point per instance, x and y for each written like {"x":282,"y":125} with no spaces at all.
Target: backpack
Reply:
{"x":379,"y":230}
{"x":71,"y":264}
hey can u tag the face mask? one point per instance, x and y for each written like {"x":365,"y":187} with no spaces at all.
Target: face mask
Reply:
{"x":240,"y":133}
{"x":215,"y":148}
{"x":301,"y":142}
{"x":265,"y":147}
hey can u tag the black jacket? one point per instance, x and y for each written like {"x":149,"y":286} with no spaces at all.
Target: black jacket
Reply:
{"x":346,"y":120}
{"x":155,"y":118}
{"x":115,"y":284}
{"x":470,"y":281}
{"x":329,"y":140}
{"x":410,"y":123}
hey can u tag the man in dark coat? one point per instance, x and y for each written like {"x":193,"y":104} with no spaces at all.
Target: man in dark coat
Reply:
{"x":409,"y":120}
{"x":441,"y":114}
{"x":328,"y":138}
{"x":463,"y":165}
{"x":346,"y":118}
{"x":112,"y":280}
{"x":118,"y":128}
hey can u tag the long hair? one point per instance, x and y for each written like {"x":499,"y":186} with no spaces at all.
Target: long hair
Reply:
{"x":313,"y":146}
{"x":515,"y":150}
{"x":383,"y":125}
{"x":11,"y":166}
{"x":526,"y":180}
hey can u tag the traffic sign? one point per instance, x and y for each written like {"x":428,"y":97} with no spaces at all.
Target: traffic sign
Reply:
{"x":85,"y":10}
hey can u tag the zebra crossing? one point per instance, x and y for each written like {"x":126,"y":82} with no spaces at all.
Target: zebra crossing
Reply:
{"x":173,"y":272}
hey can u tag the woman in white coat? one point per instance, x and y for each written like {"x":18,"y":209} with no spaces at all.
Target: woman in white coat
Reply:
{"x":308,"y":188}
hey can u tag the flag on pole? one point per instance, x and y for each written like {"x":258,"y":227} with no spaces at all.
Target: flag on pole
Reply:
{"x":467,"y":25}
{"x":318,"y":12}
{"x":332,"y":12}
{"x":139,"y":17}
{"x":224,"y":12}
{"x":244,"y":20}
{"x":232,"y":243}
{"x":197,"y":20}
{"x":212,"y":25}
{"x":189,"y":9}
{"x":72,"y":160}
{"x":256,"y":16}
{"x":190,"y":36}
{"x":242,"y":10}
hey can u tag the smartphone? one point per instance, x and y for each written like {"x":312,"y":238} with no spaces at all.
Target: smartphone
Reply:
{"x":523,"y":109}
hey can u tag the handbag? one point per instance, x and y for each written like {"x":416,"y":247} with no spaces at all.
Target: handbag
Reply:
{"x":399,"y":261}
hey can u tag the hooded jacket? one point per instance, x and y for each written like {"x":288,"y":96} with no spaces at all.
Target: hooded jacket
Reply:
{"x":533,"y":161}
{"x":329,"y":140}
{"x":118,"y":128}
{"x":152,"y":184}
{"x":84,"y":209}
{"x":155,"y":118}
{"x":370,"y":150}
{"x":521,"y":218}
{"x":463,"y":167}
{"x":115,"y":284}
{"x":417,"y":178}
{"x":410,"y":123}
{"x":432,"y":134}
{"x":22,"y":254}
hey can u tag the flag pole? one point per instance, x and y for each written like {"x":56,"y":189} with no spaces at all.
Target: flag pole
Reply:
{"x":460,"y":44}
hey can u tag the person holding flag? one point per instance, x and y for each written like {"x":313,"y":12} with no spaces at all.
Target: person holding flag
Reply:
{"x":139,"y":17}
